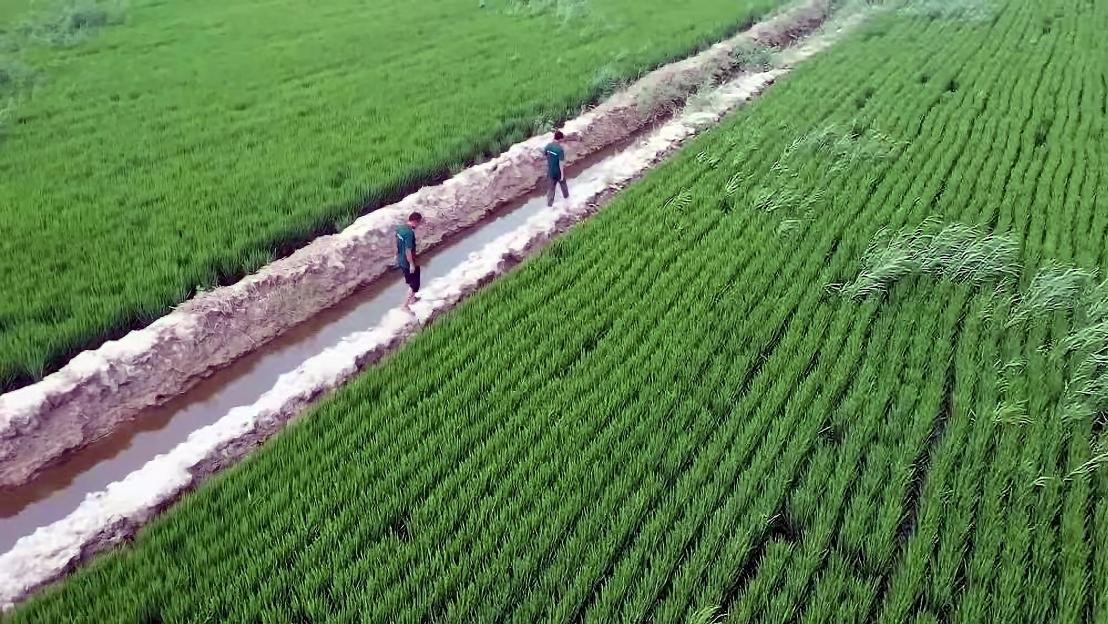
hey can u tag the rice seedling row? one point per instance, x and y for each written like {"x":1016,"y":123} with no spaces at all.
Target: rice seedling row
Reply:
{"x":691,"y":409}
{"x":166,"y":154}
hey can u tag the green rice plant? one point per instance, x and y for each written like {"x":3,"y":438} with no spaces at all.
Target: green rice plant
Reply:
{"x":708,"y":159}
{"x":1085,"y":396}
{"x":220,"y":148}
{"x":788,"y":227}
{"x":1012,"y":414}
{"x":651,"y":424}
{"x":1099,"y":459}
{"x":788,"y":191}
{"x":676,"y":209}
{"x":733,"y":184}
{"x":706,"y":615}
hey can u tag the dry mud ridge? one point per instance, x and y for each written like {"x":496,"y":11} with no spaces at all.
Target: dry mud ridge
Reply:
{"x":100,"y":389}
{"x":112,"y":516}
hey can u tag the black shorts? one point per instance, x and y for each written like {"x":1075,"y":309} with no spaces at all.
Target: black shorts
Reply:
{"x":411,"y":278}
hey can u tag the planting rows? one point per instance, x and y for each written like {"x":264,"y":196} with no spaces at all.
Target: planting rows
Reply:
{"x":149,"y":149}
{"x":690,"y":406}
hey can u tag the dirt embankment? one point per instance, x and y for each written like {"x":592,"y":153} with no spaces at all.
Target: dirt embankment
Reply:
{"x":100,"y":389}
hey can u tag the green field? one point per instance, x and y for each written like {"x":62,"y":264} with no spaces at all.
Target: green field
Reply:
{"x":840,"y":361}
{"x":189,"y":142}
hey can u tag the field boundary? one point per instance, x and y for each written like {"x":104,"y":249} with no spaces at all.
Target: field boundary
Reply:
{"x":103,"y":388}
{"x":112,"y":516}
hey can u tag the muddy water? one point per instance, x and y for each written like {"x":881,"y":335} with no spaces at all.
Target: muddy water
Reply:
{"x":58,"y":490}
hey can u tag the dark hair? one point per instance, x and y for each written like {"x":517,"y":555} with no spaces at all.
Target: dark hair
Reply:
{"x":558,"y":136}
{"x":415,"y":217}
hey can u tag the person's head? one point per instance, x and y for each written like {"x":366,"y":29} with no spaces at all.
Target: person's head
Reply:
{"x":558,"y":136}
{"x":415,"y":219}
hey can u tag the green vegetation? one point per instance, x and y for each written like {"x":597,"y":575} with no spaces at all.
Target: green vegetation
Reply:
{"x":195,"y":141}
{"x":68,"y":22}
{"x":634,"y":427}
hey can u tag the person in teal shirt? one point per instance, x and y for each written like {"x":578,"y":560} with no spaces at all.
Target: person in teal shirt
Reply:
{"x":555,"y":168}
{"x":406,"y":255}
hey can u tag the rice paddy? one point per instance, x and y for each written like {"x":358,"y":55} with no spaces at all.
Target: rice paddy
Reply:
{"x":841,"y":360}
{"x":152,"y":149}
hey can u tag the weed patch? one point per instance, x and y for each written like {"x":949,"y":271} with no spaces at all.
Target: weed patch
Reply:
{"x":956,"y":252}
{"x":752,"y":56}
{"x":606,"y":80}
{"x":16,"y":77}
{"x":1052,"y":289}
{"x":966,"y":10}
{"x":72,"y":21}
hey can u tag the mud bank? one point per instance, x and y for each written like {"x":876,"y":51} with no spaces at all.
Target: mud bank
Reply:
{"x":113,"y":515}
{"x":98,"y":390}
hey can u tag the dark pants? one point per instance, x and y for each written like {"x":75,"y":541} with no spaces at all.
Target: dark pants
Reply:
{"x":551,"y":185}
{"x":411,"y":278}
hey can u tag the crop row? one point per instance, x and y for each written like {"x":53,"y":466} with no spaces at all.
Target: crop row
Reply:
{"x":670,"y":413}
{"x":196,"y":141}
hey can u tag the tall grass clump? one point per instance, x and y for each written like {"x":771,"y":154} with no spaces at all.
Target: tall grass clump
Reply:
{"x":606,"y":80}
{"x":752,"y":56}
{"x":957,"y":252}
{"x":703,"y":98}
{"x":1052,"y":289}
{"x":16,"y":82}
{"x":847,"y":144}
{"x":564,"y":11}
{"x":746,"y":56}
{"x":7,"y":111}
{"x":1081,"y":356}
{"x":662,"y":99}
{"x":795,"y":186}
{"x":15,"y":76}
{"x":1086,"y":392}
{"x":966,"y":10}
{"x":71,"y":21}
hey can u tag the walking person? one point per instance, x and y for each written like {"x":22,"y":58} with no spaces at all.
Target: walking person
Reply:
{"x":406,"y":255}
{"x":555,"y":168}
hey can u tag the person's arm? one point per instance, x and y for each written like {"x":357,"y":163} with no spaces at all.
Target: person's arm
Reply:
{"x":410,"y":254}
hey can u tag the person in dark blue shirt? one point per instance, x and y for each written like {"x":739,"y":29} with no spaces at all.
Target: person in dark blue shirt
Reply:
{"x":555,"y":168}
{"x":406,"y":255}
